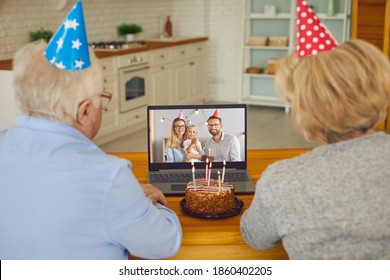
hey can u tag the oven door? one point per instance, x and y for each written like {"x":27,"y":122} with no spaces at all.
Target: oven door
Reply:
{"x":133,"y":87}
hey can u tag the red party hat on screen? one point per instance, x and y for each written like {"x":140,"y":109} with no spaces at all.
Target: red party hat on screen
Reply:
{"x":216,"y":113}
{"x":312,"y":36}
{"x":180,"y":116}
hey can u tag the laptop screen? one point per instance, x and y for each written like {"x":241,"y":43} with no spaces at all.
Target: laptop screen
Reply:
{"x":168,"y":123}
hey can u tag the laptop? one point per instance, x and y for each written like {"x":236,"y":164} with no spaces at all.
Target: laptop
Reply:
{"x":171,"y":176}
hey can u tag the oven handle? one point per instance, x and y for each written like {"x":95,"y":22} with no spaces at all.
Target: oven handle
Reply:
{"x":134,"y":70}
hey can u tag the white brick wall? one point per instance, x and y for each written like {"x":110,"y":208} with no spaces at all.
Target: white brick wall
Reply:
{"x":220,"y":20}
{"x":226,"y":23}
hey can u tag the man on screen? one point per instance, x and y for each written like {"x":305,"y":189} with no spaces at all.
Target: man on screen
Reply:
{"x":221,"y":145}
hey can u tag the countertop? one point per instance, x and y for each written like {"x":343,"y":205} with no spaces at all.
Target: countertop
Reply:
{"x":151,"y":44}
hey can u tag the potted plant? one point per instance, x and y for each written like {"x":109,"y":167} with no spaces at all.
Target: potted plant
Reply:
{"x":128,"y":30}
{"x":41,"y":34}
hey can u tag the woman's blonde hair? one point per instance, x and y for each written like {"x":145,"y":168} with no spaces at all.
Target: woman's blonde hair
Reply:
{"x":42,"y":90}
{"x":173,"y":142}
{"x":337,"y":94}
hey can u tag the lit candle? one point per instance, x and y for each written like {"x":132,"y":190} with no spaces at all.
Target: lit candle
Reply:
{"x":223,"y":170}
{"x":207,"y":168}
{"x":219,"y":181}
{"x":209,"y":177}
{"x":193,"y":177}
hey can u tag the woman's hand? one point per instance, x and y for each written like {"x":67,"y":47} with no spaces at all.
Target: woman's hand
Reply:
{"x":154,"y":194}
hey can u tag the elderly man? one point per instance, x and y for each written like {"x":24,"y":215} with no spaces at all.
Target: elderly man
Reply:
{"x":61,"y":197}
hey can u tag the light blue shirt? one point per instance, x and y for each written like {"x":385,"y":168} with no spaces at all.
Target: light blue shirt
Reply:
{"x":175,"y":155}
{"x":227,"y":149}
{"x":61,"y":197}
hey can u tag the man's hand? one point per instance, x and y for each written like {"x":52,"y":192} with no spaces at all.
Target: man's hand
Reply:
{"x":154,"y":194}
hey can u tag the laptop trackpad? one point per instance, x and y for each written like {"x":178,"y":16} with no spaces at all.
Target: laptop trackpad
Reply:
{"x":178,"y":187}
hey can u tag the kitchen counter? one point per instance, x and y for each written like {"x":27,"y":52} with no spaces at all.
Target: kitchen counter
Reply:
{"x":151,"y":44}
{"x":218,"y":239}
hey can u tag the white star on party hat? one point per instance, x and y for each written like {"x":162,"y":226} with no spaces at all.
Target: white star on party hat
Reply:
{"x":312,"y":36}
{"x":68,"y":49}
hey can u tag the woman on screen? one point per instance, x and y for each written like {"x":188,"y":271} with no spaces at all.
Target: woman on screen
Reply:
{"x":175,"y":151}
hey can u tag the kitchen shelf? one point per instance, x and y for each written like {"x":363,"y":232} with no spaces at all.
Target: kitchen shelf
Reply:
{"x":264,"y":16}
{"x":259,"y":88}
{"x":267,"y":47}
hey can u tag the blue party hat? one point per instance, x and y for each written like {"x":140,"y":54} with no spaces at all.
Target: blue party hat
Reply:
{"x":68,"y":49}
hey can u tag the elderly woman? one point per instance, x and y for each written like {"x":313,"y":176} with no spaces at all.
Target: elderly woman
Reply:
{"x":61,"y":197}
{"x":175,"y":151}
{"x":332,"y":202}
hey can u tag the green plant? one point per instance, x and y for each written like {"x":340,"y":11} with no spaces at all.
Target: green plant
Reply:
{"x":41,"y":34}
{"x":128,"y":28}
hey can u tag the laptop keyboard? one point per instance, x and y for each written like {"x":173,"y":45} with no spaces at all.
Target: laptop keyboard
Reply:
{"x":236,"y":176}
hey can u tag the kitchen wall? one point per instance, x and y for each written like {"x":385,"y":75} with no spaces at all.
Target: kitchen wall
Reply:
{"x":220,"y":20}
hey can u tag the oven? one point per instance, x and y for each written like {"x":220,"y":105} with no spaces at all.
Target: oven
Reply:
{"x":134,"y":79}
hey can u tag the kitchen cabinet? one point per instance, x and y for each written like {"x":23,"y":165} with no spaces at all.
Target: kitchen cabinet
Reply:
{"x":160,"y":84}
{"x":175,"y":75}
{"x":198,"y":72}
{"x":270,"y":35}
{"x":110,"y":116}
{"x":160,"y":73}
{"x":115,"y":124}
{"x":180,"y":80}
{"x":178,"y":74}
{"x":188,"y":74}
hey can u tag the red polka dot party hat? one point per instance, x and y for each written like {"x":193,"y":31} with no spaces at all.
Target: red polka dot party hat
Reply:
{"x":312,"y":36}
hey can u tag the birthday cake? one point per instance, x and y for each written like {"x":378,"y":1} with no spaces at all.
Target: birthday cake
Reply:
{"x":209,"y":199}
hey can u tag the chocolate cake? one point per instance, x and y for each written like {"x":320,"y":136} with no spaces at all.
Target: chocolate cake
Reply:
{"x":209,"y":200}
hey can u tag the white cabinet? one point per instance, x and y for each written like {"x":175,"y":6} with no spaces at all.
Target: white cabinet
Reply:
{"x":160,"y":73}
{"x":279,"y":31}
{"x":198,"y":72}
{"x":110,"y":117}
{"x":188,"y":74}
{"x":180,"y":80}
{"x":160,"y":84}
{"x":177,"y":75}
{"x":198,"y":80}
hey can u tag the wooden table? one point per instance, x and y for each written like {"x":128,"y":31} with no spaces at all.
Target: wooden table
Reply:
{"x":218,"y":239}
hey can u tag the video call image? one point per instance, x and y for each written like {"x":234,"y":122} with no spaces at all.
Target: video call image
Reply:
{"x":160,"y":126}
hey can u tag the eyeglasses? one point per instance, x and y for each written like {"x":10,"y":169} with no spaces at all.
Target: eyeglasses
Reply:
{"x":106,"y":98}
{"x":214,"y":125}
{"x":179,"y":126}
